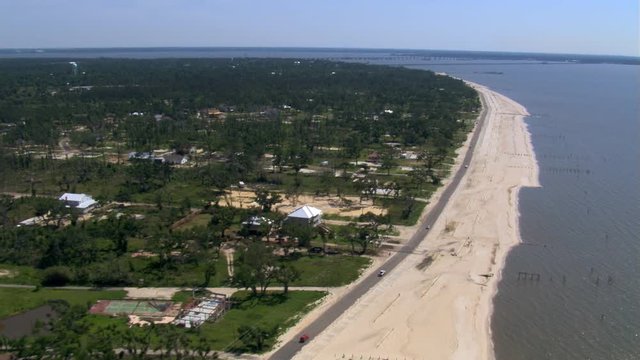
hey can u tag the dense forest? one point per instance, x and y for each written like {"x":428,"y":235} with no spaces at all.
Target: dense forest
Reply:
{"x":293,"y":110}
{"x":41,"y":98}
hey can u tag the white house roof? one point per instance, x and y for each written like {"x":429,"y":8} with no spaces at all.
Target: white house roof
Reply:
{"x":72,"y":197}
{"x":257,"y":221}
{"x":84,"y":201}
{"x":305,"y":212}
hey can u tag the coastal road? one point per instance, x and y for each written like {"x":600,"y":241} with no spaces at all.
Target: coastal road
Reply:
{"x":289,"y":349}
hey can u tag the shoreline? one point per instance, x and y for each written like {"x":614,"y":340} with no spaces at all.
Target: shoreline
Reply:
{"x":501,"y":256}
{"x":465,"y":252}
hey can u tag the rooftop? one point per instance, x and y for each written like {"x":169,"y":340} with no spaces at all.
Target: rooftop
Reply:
{"x":305,"y":212}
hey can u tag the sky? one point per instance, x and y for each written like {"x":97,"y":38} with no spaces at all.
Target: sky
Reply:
{"x":602,"y":27}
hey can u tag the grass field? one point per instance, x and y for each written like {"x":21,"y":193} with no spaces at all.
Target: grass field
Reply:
{"x":332,"y":270}
{"x":14,"y":274}
{"x":188,"y":275}
{"x":271,"y":312}
{"x":14,"y":301}
{"x":198,"y":220}
{"x":395,"y":207}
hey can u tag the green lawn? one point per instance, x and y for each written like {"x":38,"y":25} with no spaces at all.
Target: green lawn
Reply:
{"x":182,"y":275}
{"x":14,"y":274}
{"x":175,"y":192}
{"x":13,"y":301}
{"x":182,"y":296}
{"x":274,"y":311}
{"x":396,"y":207}
{"x":330,"y":270}
{"x":198,"y":220}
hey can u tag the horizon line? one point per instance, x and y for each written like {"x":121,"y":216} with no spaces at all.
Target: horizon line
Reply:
{"x":35,"y":49}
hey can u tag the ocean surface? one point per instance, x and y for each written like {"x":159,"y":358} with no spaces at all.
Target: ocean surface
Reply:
{"x":581,"y":229}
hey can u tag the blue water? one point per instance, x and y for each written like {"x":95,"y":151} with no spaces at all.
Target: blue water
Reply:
{"x":581,"y":229}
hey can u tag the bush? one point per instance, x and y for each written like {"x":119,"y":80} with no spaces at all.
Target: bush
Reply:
{"x":56,"y":276}
{"x":110,"y":273}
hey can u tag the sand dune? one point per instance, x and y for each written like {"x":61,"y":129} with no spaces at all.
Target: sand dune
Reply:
{"x":440,"y":308}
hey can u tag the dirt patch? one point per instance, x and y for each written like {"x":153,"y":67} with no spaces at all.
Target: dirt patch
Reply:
{"x":348,"y":206}
{"x":7,"y":273}
{"x":150,"y":293}
{"x":143,"y":254}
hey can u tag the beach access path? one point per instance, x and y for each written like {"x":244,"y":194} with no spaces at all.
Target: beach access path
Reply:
{"x":435,"y":300}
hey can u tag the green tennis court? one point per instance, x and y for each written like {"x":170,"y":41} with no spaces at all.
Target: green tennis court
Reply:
{"x":148,"y":308}
{"x":135,"y":307}
{"x":119,"y":307}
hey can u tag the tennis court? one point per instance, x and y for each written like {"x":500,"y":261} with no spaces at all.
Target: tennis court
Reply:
{"x":131,"y":307}
{"x":121,"y":307}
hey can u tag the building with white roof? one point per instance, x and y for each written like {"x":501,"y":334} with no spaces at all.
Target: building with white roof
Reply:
{"x":305,"y":215}
{"x":82,"y":202}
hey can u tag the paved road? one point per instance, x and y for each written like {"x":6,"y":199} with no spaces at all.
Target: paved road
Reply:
{"x":229,"y":290}
{"x":289,"y":349}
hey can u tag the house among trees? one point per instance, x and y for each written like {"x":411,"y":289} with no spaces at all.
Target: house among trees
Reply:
{"x":170,"y":158}
{"x":175,"y":159}
{"x":257,"y":224}
{"x":162,"y":117}
{"x":374,"y":157}
{"x":82,"y":202}
{"x":305,"y":215}
{"x":145,"y":156}
{"x":212,"y":113}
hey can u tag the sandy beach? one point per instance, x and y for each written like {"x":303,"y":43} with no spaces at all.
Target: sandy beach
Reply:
{"x":437,"y":303}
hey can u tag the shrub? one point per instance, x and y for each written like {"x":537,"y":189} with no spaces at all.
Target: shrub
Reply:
{"x":57,"y":276}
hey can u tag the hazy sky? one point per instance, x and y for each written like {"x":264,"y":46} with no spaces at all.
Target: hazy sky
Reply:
{"x":556,"y":26}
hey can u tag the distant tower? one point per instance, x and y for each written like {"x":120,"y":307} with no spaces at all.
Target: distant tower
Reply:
{"x":74,"y":67}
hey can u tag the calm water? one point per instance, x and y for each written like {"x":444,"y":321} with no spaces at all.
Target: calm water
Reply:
{"x":581,"y":230}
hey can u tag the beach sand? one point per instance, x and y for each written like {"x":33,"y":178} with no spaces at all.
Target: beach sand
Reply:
{"x":437,"y":303}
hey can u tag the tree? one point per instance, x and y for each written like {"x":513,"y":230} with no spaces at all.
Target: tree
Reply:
{"x":6,"y":203}
{"x":146,"y":175}
{"x":358,"y":236}
{"x":159,"y":200}
{"x":430,"y":161}
{"x":278,"y":159}
{"x":42,"y":206}
{"x":388,"y":161}
{"x":214,"y":175}
{"x":292,"y":193}
{"x":209,"y":271}
{"x":362,"y":240}
{"x":202,"y":348}
{"x":222,"y":219}
{"x":353,"y":146}
{"x":303,"y":233}
{"x":137,"y":343}
{"x":253,"y":337}
{"x":185,"y":205}
{"x":267,"y":199}
{"x":287,"y":274}
{"x":56,"y":276}
{"x":256,"y":268}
